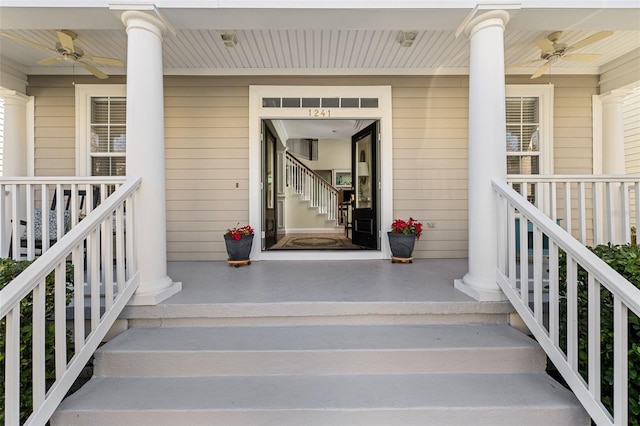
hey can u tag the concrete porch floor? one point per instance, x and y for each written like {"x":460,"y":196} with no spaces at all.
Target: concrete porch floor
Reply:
{"x":309,"y":292}
{"x":425,"y":280}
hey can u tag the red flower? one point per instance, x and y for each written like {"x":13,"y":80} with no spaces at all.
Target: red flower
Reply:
{"x":411,"y":226}
{"x":237,"y":232}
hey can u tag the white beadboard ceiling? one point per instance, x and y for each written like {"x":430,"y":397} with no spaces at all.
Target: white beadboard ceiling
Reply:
{"x":311,"y":41}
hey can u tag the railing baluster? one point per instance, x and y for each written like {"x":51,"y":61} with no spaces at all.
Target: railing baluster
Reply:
{"x":107,"y":261}
{"x":567,"y":207}
{"x":572,"y":313}
{"x":12,"y":368}
{"x":620,"y":362}
{"x":38,"y":342}
{"x":625,"y":214}
{"x":594,"y":375}
{"x":60,"y":319}
{"x":537,"y":274}
{"x":610,"y":199}
{"x":78,"y":297}
{"x":597,"y":214}
{"x":554,"y":295}
{"x":582,"y":214}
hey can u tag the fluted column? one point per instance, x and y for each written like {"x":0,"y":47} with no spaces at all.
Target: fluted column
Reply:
{"x":487,"y":150}
{"x":145,"y":154}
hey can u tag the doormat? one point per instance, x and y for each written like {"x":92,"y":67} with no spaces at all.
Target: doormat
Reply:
{"x":315,"y":242}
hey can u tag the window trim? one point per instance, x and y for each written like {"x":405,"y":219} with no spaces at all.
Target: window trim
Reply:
{"x":545,"y":93}
{"x":84,"y":93}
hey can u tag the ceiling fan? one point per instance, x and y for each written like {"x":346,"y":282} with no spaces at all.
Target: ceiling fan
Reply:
{"x":65,"y":50}
{"x":551,"y":49}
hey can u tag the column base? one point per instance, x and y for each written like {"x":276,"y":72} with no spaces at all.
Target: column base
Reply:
{"x":155,"y":297}
{"x":479,"y":292}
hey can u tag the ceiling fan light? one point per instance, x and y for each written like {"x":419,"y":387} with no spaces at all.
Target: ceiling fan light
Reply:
{"x":406,"y":38}
{"x":229,"y":38}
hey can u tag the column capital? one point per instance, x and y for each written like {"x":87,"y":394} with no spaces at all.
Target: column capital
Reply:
{"x":489,"y":19}
{"x":614,"y":96}
{"x":143,"y":21}
{"x":13,"y":98}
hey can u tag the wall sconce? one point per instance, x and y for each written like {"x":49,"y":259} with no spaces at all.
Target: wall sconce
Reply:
{"x":406,"y":38}
{"x":229,"y":38}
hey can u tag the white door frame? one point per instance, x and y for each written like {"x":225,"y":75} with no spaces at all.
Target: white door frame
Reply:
{"x":257,"y":113}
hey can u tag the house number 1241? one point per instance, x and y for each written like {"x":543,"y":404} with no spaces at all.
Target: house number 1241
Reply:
{"x":319,"y":113}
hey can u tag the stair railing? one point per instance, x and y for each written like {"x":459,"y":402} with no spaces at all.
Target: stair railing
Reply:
{"x":518,"y":278}
{"x":100,"y":253}
{"x":311,"y":187}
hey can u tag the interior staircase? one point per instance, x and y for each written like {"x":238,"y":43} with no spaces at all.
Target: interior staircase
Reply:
{"x":353,"y":360}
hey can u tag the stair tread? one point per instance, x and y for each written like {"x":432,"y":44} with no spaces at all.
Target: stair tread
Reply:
{"x":320,"y":392}
{"x":318,"y":338}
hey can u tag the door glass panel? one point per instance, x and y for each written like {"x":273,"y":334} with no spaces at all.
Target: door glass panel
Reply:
{"x":363,"y":172}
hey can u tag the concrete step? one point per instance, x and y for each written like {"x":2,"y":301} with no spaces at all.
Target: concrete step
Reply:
{"x":381,"y":399}
{"x":208,"y":351}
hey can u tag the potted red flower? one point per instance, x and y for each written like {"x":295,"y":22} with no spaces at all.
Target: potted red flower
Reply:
{"x":238,"y":242}
{"x":402,"y":238}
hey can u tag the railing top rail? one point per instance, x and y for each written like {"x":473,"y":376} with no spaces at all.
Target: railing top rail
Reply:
{"x":24,"y":283}
{"x":64,"y":180}
{"x":573,"y":178}
{"x":615,"y":283}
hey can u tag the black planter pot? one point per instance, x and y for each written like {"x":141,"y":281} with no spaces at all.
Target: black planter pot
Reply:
{"x":401,"y":244}
{"x":238,"y":249}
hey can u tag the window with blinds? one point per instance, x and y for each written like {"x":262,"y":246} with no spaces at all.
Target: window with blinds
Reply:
{"x":108,"y":136}
{"x":523,"y":133}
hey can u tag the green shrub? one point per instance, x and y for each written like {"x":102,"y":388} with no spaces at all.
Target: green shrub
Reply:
{"x":625,"y":259}
{"x":9,"y":269}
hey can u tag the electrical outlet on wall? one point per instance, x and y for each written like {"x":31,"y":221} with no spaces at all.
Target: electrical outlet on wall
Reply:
{"x":431,"y":225}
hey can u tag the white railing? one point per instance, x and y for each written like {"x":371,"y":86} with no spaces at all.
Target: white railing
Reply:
{"x":307,"y":184}
{"x":595,"y":209}
{"x":100,"y":251}
{"x":519,"y":278}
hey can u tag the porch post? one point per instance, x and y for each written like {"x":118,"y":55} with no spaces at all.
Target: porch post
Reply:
{"x":613,"y":133}
{"x":613,"y":160}
{"x":487,"y":151}
{"x":15,"y":133}
{"x":145,"y":154}
{"x":14,"y":156}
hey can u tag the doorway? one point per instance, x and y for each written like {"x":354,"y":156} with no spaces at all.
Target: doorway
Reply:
{"x":322,"y":106}
{"x":326,"y":196}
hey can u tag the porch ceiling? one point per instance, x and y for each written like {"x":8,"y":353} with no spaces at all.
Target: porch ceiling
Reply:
{"x":315,"y":41}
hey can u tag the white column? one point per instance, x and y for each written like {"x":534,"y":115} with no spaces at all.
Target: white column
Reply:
{"x":487,"y":150}
{"x":14,"y":154}
{"x":613,"y":161}
{"x":15,"y":133}
{"x":145,"y":154}
{"x":613,"y":133}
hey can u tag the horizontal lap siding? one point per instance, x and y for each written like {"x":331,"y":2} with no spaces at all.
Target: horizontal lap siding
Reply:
{"x":207,"y":156}
{"x":430,"y":121}
{"x":207,"y":150}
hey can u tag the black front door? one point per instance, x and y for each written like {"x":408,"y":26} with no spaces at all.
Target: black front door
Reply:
{"x":269,"y":187}
{"x":364,"y":170}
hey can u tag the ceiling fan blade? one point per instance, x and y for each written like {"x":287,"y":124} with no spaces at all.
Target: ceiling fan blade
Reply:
{"x":66,"y":40}
{"x":582,"y":57}
{"x":520,"y":64}
{"x":51,"y":61}
{"x":32,"y":43}
{"x":591,"y":39}
{"x":541,"y":70}
{"x":93,"y":70}
{"x":104,"y":61}
{"x":544,"y":44}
